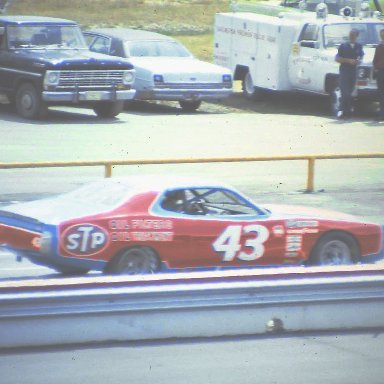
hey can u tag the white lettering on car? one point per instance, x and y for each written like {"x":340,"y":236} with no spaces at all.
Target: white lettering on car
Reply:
{"x":229,"y":242}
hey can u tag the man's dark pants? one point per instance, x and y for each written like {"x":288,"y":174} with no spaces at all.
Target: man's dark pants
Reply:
{"x":347,"y":84}
{"x":380,"y":88}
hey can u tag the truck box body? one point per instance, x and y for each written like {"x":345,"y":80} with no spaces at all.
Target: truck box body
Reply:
{"x":261,"y":43}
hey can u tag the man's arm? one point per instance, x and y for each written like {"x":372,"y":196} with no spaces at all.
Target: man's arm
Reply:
{"x":344,"y":60}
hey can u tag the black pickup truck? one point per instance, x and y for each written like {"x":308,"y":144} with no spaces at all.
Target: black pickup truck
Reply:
{"x":45,"y":61}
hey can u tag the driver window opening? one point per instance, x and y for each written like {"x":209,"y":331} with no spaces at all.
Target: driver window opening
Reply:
{"x":207,"y":202}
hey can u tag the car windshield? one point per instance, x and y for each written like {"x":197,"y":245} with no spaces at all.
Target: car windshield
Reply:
{"x":335,"y":34}
{"x":208,"y":201}
{"x":161,"y":48}
{"x":45,"y":36}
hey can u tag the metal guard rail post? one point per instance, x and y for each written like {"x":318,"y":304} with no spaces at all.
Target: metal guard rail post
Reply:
{"x":104,"y":309}
{"x":109,"y":164}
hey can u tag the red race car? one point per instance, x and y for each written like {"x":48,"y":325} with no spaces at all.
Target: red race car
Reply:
{"x":145,"y":224}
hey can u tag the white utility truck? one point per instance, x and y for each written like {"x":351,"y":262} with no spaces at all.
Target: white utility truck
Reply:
{"x":295,"y":51}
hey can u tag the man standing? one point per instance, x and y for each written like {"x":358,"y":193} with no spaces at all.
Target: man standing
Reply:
{"x":349,"y":55}
{"x":378,"y":65}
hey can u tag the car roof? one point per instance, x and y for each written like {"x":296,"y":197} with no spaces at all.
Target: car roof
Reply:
{"x":130,"y":34}
{"x":17,"y":20}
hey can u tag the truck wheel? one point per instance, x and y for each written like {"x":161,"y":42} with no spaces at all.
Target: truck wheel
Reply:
{"x":108,"y":109}
{"x":28,"y":102}
{"x":335,"y":100}
{"x":189,"y":106}
{"x":249,"y":89}
{"x":134,"y":261}
{"x":335,"y":249}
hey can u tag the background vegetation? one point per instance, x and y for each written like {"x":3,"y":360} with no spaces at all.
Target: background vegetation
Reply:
{"x":191,"y":21}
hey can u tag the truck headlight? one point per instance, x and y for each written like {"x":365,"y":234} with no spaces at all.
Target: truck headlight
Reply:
{"x":227,"y":80}
{"x":51,"y":78}
{"x":46,"y":243}
{"x":128,"y":77}
{"x":158,"y":79}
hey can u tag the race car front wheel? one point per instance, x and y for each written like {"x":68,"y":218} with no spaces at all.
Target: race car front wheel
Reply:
{"x":337,"y":248}
{"x":134,"y":261}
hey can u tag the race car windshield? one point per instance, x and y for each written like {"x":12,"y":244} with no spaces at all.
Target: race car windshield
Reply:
{"x":43,"y":37}
{"x":156,"y":49}
{"x":336,"y":34}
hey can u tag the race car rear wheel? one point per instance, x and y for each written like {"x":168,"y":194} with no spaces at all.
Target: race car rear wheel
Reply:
{"x":336,"y":248}
{"x":134,"y":261}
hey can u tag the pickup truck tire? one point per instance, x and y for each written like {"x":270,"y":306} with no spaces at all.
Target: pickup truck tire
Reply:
{"x":28,"y":102}
{"x":335,"y":99}
{"x":249,"y":90}
{"x":189,"y":106}
{"x":108,"y":109}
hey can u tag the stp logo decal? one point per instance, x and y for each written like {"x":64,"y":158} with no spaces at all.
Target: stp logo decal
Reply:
{"x":84,"y":239}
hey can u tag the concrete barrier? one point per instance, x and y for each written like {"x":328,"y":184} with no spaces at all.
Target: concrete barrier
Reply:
{"x":86,"y":310}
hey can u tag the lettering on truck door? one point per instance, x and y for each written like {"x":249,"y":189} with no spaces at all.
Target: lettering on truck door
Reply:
{"x":302,"y":69}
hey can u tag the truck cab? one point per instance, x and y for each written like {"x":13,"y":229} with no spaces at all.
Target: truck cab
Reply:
{"x":45,"y":61}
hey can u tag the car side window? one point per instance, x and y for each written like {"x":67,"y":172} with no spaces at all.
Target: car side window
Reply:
{"x":100,"y":44}
{"x":174,"y":201}
{"x":207,"y":202}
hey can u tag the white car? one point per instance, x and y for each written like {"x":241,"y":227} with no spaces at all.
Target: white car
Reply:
{"x":165,"y":69}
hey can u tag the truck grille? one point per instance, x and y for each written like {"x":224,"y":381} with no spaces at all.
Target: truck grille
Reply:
{"x":90,"y":79}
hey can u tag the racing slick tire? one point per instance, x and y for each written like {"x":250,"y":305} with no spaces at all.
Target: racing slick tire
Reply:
{"x":336,"y":248}
{"x":250,"y":91}
{"x":134,"y":261}
{"x":108,"y":109}
{"x":189,"y":106}
{"x":28,"y":102}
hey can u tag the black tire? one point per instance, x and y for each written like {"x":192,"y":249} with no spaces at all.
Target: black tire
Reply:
{"x":336,"y":248}
{"x":134,"y":261}
{"x":28,"y":102}
{"x":108,"y":109}
{"x":250,"y":91}
{"x":189,"y":106}
{"x":335,"y":100}
{"x":69,"y":271}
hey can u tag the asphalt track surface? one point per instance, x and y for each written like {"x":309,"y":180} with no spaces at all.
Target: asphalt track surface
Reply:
{"x":315,"y":358}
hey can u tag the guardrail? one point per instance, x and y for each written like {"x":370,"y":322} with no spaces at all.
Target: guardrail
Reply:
{"x":207,"y":304}
{"x":109,"y":164}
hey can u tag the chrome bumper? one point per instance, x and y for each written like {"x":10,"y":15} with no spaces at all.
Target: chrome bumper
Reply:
{"x":88,"y":96}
